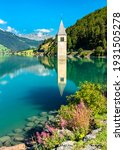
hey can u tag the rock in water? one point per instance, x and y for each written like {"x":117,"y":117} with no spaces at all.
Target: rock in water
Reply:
{"x":27,"y":128}
{"x":51,"y":117}
{"x":7,"y":143}
{"x":18,"y":130}
{"x":30,"y":124}
{"x":53,"y":112}
{"x":4,"y":139}
{"x":43,"y":113}
{"x":19,"y":139}
{"x":33,"y":118}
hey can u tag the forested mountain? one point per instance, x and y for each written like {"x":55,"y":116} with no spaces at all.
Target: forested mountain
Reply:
{"x":88,"y":33}
{"x":14,"y":42}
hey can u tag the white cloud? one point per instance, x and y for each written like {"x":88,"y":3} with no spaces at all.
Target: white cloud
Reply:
{"x":10,"y":29}
{"x":2,"y":21}
{"x":38,"y":34}
{"x":44,"y":30}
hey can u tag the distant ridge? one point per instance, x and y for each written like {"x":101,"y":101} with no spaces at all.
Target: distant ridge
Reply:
{"x":14,"y":42}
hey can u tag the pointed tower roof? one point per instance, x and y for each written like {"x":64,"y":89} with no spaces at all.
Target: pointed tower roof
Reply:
{"x":61,"y":88}
{"x":61,"y":29}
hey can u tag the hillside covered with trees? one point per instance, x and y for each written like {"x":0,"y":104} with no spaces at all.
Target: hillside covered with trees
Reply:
{"x":88,"y":33}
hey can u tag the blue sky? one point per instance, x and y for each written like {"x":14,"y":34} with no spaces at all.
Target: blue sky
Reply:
{"x":26,"y":16}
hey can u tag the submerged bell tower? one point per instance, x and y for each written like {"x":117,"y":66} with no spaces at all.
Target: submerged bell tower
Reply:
{"x":62,"y":57}
{"x":62,"y":41}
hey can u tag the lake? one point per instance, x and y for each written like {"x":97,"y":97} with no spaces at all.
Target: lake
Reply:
{"x":29,"y":86}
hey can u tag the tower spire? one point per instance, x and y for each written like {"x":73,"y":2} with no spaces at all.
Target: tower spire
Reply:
{"x":61,"y":29}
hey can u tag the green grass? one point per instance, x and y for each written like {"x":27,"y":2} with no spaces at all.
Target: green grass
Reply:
{"x":100,"y":140}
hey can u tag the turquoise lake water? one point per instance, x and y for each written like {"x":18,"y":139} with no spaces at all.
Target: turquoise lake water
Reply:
{"x":29,"y":86}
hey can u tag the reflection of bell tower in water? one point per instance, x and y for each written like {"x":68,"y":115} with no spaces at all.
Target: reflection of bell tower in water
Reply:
{"x":62,"y":56}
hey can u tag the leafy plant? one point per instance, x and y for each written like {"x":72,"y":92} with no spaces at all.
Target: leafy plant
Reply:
{"x":75,"y":118}
{"x":49,"y":139}
{"x":80,"y":50}
{"x":92,"y":95}
{"x":99,"y":51}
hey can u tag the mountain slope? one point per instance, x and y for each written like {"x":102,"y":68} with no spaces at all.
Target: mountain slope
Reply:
{"x":3,"y":49}
{"x":14,"y":42}
{"x":87,"y":33}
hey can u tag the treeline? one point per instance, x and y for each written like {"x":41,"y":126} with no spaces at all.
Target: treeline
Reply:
{"x":89,"y":33}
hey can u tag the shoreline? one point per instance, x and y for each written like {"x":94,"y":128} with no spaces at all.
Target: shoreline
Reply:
{"x":24,"y":144}
{"x":42,"y":55}
{"x":38,"y":124}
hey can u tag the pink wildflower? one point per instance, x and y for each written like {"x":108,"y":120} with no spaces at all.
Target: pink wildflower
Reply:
{"x":63,"y":123}
{"x":44,"y":134}
{"x":38,"y":137}
{"x":80,"y":106}
{"x":51,"y":129}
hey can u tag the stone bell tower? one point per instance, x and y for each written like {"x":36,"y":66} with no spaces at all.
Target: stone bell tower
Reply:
{"x":62,"y":41}
{"x":62,"y":56}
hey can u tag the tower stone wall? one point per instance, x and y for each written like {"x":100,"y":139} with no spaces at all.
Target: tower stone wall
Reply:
{"x":62,"y":56}
{"x":62,"y":41}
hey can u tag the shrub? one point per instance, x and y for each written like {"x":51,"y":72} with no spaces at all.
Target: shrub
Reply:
{"x":80,"y":50}
{"x":93,"y":97}
{"x":75,"y":118}
{"x":49,"y":139}
{"x":99,"y":51}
